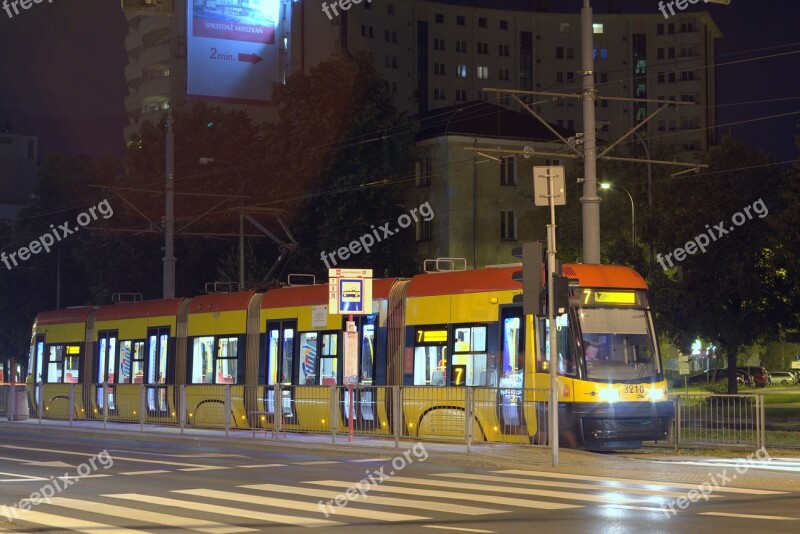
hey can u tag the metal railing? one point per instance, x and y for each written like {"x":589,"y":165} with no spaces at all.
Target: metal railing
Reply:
{"x":710,"y":420}
{"x":458,"y":414}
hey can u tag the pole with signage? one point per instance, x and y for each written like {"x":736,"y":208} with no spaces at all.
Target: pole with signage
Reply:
{"x":548,"y":186}
{"x":350,"y":293}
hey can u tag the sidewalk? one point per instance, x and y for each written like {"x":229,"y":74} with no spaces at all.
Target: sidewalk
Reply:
{"x":611,"y":466}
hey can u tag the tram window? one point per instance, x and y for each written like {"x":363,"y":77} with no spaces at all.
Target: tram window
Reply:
{"x":308,"y":358}
{"x":227,"y":359}
{"x":288,"y":356}
{"x":39,"y":358}
{"x":112,"y":359}
{"x":55,"y":363}
{"x":513,"y":355}
{"x":125,"y":362}
{"x":328,"y":363}
{"x":469,"y":357}
{"x":367,"y":349}
{"x":202,"y":360}
{"x":72,"y":367}
{"x":138,"y":362}
{"x":566,"y":357}
{"x":273,"y":350}
{"x":430,"y":366}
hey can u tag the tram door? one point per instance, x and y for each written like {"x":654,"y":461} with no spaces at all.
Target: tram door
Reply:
{"x":364,"y":396}
{"x":280,"y":368}
{"x":157,"y":369}
{"x":35,"y":365}
{"x":106,"y":366}
{"x":510,"y":391}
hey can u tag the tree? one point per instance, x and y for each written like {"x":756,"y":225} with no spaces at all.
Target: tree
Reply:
{"x":722,"y":291}
{"x":347,"y":154}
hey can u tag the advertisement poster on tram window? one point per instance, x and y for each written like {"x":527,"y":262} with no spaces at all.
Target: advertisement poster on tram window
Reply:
{"x":233,"y":49}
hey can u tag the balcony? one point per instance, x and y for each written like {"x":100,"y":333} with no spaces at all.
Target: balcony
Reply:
{"x":155,"y":55}
{"x":133,"y":73}
{"x":149,"y":25}
{"x":148,"y":7}
{"x":155,"y":88}
{"x":133,"y":43}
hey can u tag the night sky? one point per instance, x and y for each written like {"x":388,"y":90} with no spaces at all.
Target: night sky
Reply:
{"x":62,"y":79}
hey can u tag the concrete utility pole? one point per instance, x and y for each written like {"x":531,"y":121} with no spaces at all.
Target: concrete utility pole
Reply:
{"x":590,"y":201}
{"x":169,"y":215}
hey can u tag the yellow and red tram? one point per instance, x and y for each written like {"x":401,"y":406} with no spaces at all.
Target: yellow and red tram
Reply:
{"x":444,"y":337}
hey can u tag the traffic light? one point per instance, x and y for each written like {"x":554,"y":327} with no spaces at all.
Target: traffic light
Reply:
{"x":530,"y":277}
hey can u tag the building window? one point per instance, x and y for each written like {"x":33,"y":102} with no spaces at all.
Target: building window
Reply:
{"x":688,"y":98}
{"x":671,"y":77}
{"x":670,"y":28}
{"x":483,"y":95}
{"x":662,"y":125}
{"x":690,"y":146}
{"x":504,"y":99}
{"x":508,"y":171}
{"x":461,"y":71}
{"x":503,"y":24}
{"x":504,"y":75}
{"x":687,"y":75}
{"x":390,"y":36}
{"x":597,"y":27}
{"x":559,"y":79}
{"x":483,"y":48}
{"x":570,"y":76}
{"x":503,"y":50}
{"x":660,"y":54}
{"x":438,"y":93}
{"x":671,"y":53}
{"x":559,"y":52}
{"x":390,"y":62}
{"x":423,"y":172}
{"x":564,"y":27}
{"x":394,"y":88}
{"x":439,"y":18}
{"x":424,"y":230}
{"x":483,"y":73}
{"x":367,"y":31}
{"x":461,"y":46}
{"x":570,"y":53}
{"x":661,"y":78}
{"x":461,"y":95}
{"x":389,"y":8}
{"x":438,"y":69}
{"x":688,"y":27}
{"x":660,"y":29}
{"x":688,"y":51}
{"x":438,"y":44}
{"x":508,"y":225}
{"x":460,"y":20}
{"x":482,"y":23}
{"x":601,"y":54}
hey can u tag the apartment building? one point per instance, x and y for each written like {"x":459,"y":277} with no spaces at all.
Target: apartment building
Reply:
{"x":19,"y":171}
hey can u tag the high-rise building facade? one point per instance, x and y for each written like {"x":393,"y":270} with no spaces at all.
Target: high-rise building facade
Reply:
{"x":19,"y":171}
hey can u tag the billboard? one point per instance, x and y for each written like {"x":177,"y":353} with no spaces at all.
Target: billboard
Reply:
{"x":234,"y":49}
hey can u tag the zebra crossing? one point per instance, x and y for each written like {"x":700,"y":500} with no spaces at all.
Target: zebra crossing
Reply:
{"x":399,"y":499}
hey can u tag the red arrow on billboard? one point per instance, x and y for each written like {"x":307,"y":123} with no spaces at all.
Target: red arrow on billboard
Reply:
{"x":250,"y":58}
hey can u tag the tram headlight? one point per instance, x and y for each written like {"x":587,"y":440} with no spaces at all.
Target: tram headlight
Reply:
{"x":655,"y":394}
{"x":609,"y":394}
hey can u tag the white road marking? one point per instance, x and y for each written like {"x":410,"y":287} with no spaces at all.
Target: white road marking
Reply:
{"x":153,"y":472}
{"x":22,"y":476}
{"x":570,"y":496}
{"x":322,"y":462}
{"x":260,"y":465}
{"x":380,"y":515}
{"x":226,"y":510}
{"x":460,"y":529}
{"x":648,"y":483}
{"x":167,"y":520}
{"x":381,"y":501}
{"x":751,"y":516}
{"x":367,"y":460}
{"x":753,"y":464}
{"x":569,"y":485}
{"x":628,"y":507}
{"x":116,"y":458}
{"x":493,"y":499}
{"x":204,"y":468}
{"x":61,"y":522}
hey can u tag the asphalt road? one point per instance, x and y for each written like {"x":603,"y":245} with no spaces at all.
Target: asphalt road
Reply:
{"x":165,"y":487}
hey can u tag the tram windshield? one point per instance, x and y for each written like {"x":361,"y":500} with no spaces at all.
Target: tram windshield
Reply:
{"x":618,"y":344}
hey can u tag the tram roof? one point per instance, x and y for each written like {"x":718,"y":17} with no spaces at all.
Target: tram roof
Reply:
{"x":65,"y":316}
{"x":138,"y":310}
{"x":221,"y":302}
{"x":499,"y":279}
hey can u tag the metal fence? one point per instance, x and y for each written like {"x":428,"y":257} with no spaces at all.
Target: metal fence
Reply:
{"x":465,"y":415}
{"x":711,"y":420}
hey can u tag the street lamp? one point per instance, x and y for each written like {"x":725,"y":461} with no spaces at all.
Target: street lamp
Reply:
{"x":207,"y":161}
{"x":633,"y":209}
